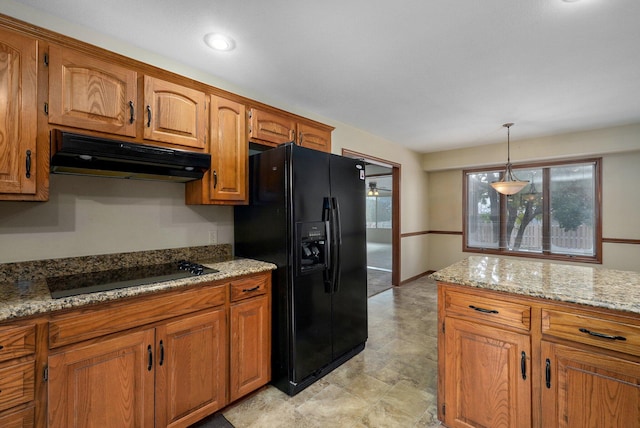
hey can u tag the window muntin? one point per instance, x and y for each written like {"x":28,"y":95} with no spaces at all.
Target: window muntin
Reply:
{"x":556,"y":216}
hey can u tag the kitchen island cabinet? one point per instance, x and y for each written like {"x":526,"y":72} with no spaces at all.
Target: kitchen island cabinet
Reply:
{"x":536,"y":344}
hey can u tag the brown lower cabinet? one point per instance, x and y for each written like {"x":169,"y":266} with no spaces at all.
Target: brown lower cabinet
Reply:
{"x":161,"y":360}
{"x":171,"y":375}
{"x":506,"y":360}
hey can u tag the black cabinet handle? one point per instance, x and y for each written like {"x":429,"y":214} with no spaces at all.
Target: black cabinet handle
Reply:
{"x":150,"y":358}
{"x":483,"y":310}
{"x":28,"y":174}
{"x":215,"y":179}
{"x":1,"y":347}
{"x":249,"y":290}
{"x":161,"y":353}
{"x":523,"y":365}
{"x":131,"y":112}
{"x":602,"y":335}
{"x":148,"y":116}
{"x":547,"y":374}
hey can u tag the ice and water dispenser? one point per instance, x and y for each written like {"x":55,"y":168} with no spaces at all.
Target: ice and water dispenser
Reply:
{"x":312,"y":246}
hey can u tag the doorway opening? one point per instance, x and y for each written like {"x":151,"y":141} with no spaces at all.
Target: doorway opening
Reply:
{"x":383,"y":222}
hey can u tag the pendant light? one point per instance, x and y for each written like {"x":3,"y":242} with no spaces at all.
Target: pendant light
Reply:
{"x":509,"y":184}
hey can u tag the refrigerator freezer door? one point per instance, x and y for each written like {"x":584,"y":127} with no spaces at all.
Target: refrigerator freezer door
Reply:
{"x":311,"y":309}
{"x":312,"y":326}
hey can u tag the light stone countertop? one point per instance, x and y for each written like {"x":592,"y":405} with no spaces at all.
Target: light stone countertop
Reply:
{"x":592,"y":286}
{"x":27,"y":297}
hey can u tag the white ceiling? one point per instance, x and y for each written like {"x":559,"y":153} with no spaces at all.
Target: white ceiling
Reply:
{"x":428,"y":74}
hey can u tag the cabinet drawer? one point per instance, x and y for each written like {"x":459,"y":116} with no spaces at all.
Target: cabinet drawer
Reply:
{"x":490,"y":310}
{"x":248,"y":287}
{"x":22,"y":419}
{"x":16,"y":384}
{"x":592,"y":330}
{"x":17,"y":341}
{"x":95,"y":321}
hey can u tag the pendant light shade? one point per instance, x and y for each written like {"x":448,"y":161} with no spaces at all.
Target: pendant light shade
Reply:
{"x":509,"y":184}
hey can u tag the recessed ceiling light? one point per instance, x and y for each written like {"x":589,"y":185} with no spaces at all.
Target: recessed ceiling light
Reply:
{"x":219,"y":42}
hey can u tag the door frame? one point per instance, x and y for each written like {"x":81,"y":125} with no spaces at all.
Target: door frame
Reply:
{"x":395,"y":207}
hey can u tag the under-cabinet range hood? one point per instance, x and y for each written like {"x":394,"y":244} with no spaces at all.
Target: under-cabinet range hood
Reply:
{"x":86,"y":155}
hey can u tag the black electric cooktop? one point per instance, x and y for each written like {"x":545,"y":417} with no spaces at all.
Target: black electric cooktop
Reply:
{"x":91,"y":282}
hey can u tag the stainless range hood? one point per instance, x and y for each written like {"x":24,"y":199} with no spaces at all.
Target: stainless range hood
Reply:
{"x":86,"y":155}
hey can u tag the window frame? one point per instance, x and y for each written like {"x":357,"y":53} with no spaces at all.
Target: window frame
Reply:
{"x":546,"y":253}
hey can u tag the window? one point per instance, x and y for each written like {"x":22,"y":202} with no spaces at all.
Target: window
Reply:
{"x":557,"y":216}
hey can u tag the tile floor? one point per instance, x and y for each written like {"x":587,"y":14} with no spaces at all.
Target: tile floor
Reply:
{"x":378,"y":268}
{"x":392,"y":383}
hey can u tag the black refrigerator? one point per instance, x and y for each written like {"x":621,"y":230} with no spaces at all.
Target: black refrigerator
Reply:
{"x":306,"y":214}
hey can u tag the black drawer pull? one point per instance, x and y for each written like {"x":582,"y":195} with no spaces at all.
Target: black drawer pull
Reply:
{"x":148,"y":116}
{"x":483,"y":310}
{"x":523,"y":365}
{"x":547,"y":373}
{"x":602,"y":335}
{"x":249,"y":290}
{"x":1,"y":347}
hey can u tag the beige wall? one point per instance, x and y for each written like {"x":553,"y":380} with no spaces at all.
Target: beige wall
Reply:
{"x":92,"y":215}
{"x":413,"y":188}
{"x":618,"y":146}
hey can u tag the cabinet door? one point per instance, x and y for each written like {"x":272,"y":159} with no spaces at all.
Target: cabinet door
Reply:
{"x":487,"y":376}
{"x":18,"y":81}
{"x":586,"y":389}
{"x":85,"y":92}
{"x":314,"y":137}
{"x":250,"y":346}
{"x":267,"y":127}
{"x":191,"y":368}
{"x":174,"y":114}
{"x":229,"y":151}
{"x":109,"y":383}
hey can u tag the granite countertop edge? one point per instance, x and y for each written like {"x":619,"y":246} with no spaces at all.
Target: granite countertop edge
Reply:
{"x":26,"y":298}
{"x":596,"y":286}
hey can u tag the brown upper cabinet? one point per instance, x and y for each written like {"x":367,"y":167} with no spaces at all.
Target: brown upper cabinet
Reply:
{"x":174,"y":114}
{"x":226,"y":181}
{"x":18,"y":83}
{"x":52,"y":81}
{"x":314,"y":137}
{"x":271,"y":128}
{"x":88,"y":93}
{"x":97,"y":95}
